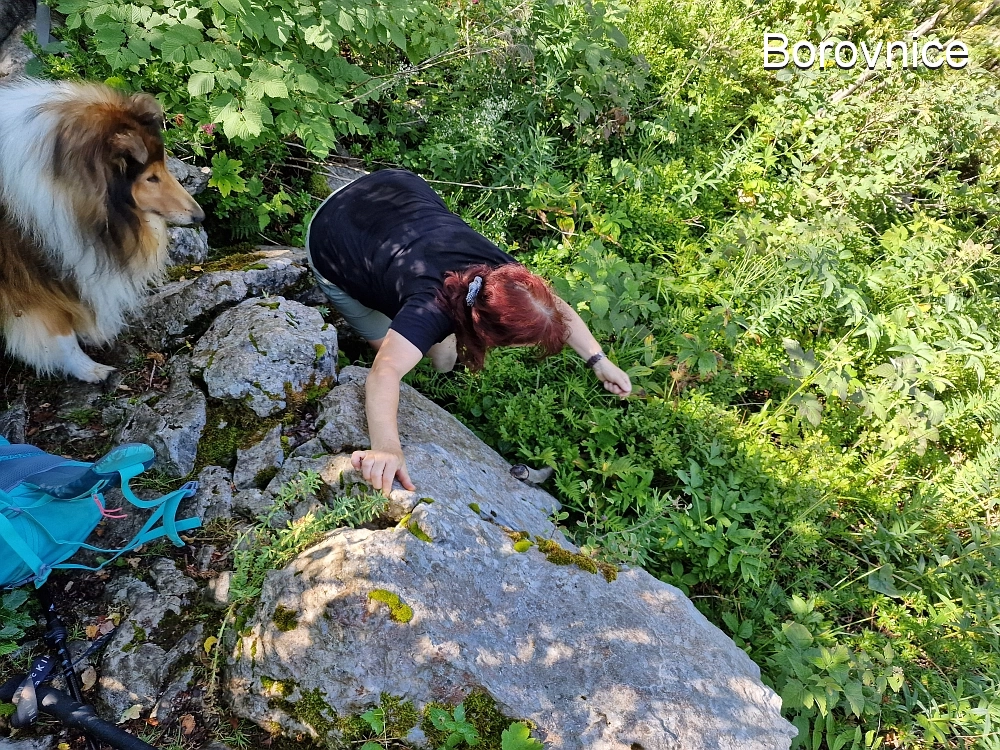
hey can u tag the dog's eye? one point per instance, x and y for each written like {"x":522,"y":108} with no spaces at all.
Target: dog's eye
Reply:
{"x":152,"y":178}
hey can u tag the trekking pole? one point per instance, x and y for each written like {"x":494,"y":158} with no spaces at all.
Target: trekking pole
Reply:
{"x":55,"y":638}
{"x":76,"y":715}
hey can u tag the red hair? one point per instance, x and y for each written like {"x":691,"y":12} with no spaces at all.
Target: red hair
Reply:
{"x":514,"y":308}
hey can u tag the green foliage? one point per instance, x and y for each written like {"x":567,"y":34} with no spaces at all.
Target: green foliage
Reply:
{"x":458,"y":731}
{"x":799,"y":277}
{"x":517,"y":737}
{"x":268,"y":546}
{"x":13,"y":620}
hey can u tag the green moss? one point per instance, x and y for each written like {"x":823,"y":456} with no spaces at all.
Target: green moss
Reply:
{"x":559,"y":556}
{"x":229,"y":426}
{"x":318,"y":185}
{"x":399,"y":610}
{"x":418,"y":532}
{"x":312,"y":710}
{"x":399,"y":716}
{"x":234,"y":261}
{"x":522,"y":546}
{"x":281,"y":688}
{"x":320,"y":351}
{"x":285,"y":619}
{"x":481,"y":711}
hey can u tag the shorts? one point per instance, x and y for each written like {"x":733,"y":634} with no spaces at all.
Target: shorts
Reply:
{"x":371,"y":325}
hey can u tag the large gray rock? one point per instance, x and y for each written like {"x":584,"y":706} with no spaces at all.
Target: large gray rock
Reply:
{"x":187,"y":245}
{"x":193,"y":179}
{"x":151,"y":643}
{"x":173,"y":426}
{"x":594,"y":664}
{"x":262,"y":348}
{"x":14,"y":53}
{"x":175,"y":309}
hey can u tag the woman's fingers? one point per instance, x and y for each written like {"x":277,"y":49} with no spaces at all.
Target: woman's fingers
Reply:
{"x":380,"y":468}
{"x":404,"y":478}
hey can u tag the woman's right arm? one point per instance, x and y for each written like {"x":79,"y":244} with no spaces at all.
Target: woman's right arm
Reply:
{"x":396,"y":357}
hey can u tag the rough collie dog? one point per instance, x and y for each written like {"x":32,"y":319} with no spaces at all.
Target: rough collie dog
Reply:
{"x":85,"y":199}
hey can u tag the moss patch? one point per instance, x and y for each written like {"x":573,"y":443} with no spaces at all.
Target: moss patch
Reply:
{"x":238,"y":261}
{"x":285,"y":619}
{"x":559,"y":556}
{"x":282,"y":688}
{"x":229,"y":426}
{"x":481,"y":711}
{"x":312,"y":710}
{"x":399,"y":610}
{"x":418,"y":532}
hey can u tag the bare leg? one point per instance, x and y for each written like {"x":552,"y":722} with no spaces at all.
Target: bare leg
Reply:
{"x":45,"y":339}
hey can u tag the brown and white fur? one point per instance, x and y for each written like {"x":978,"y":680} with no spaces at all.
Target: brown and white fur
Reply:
{"x":85,"y":199}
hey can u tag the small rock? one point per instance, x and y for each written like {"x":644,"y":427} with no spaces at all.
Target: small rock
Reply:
{"x":204,"y":560}
{"x":134,"y":669}
{"x":168,"y":580}
{"x":193,"y":179}
{"x":214,"y":498}
{"x":173,"y":426}
{"x":252,"y":503}
{"x":14,"y":421}
{"x":338,"y":176}
{"x":187,"y":245}
{"x":217,"y":590}
{"x":312,"y":448}
{"x":258,"y":349}
{"x":264,"y":458}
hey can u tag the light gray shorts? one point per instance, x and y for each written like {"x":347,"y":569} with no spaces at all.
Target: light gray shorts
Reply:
{"x":371,"y":325}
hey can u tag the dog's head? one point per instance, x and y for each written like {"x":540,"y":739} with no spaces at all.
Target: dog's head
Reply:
{"x":135,"y":159}
{"x":109,"y":156}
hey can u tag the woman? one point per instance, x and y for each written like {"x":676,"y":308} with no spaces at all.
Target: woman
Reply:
{"x":413,"y":279}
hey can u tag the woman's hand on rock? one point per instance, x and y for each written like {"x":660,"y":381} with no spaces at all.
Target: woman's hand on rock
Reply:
{"x":380,"y":467}
{"x":614,"y":378}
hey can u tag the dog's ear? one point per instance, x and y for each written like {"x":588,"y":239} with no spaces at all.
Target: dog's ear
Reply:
{"x":146,"y":110}
{"x":128,"y":144}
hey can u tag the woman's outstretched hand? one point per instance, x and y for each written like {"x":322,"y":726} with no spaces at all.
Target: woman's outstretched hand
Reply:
{"x":380,"y":467}
{"x":614,"y":378}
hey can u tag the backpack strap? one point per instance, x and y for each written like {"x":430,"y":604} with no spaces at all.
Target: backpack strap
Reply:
{"x":169,"y":527}
{"x":13,"y":539}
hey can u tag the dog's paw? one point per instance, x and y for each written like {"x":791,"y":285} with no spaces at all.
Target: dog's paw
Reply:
{"x":94,"y":373}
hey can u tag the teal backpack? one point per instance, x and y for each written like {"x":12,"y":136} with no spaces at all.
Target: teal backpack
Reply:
{"x":49,"y":505}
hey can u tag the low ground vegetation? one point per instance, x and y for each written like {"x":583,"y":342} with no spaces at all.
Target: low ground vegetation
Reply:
{"x":800,"y":277}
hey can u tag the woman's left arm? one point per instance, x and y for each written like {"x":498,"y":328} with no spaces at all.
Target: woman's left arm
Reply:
{"x":582,"y":341}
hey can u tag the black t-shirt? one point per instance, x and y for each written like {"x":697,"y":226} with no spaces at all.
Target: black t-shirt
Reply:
{"x":388,"y":239}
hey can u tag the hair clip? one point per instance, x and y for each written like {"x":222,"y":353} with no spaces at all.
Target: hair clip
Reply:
{"x":474,"y":287}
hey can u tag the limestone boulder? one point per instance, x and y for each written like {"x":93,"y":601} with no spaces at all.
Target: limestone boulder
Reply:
{"x":185,"y":308}
{"x":441,"y":604}
{"x":262,"y":350}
